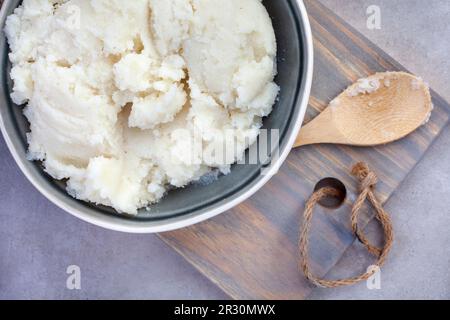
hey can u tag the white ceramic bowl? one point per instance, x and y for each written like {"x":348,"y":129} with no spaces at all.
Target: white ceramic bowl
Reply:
{"x":195,"y":203}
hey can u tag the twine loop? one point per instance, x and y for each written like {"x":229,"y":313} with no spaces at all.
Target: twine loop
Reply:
{"x":368,"y":180}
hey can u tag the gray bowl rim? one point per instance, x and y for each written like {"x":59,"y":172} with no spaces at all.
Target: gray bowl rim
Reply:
{"x":182,"y":221}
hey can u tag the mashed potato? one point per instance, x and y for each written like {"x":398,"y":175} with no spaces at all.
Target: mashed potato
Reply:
{"x":124,"y":98}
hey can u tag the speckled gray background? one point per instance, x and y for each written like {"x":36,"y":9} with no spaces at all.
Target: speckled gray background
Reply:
{"x":38,"y":241}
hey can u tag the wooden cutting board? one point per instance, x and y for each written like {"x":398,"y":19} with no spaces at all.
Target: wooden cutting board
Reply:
{"x":250,"y":252}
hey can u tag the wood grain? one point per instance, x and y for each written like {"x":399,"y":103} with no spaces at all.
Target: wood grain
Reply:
{"x":251,"y":251}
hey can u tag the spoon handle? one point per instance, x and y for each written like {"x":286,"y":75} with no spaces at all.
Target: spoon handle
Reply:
{"x":306,"y":137}
{"x":319,"y":130}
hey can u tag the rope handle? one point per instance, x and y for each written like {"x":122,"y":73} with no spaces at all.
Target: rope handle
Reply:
{"x":368,"y":180}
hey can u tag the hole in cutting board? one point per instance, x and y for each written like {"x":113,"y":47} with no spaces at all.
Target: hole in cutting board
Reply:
{"x":332,"y":202}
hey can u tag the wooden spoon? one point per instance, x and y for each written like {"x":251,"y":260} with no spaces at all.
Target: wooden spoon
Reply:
{"x":380,"y":109}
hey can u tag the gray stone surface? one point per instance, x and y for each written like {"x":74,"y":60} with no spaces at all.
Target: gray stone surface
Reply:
{"x":38,"y":241}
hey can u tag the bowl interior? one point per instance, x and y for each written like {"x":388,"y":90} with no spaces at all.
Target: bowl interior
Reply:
{"x":196,"y":198}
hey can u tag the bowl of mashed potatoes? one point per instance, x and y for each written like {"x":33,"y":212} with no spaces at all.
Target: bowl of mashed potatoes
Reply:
{"x":143,"y":116}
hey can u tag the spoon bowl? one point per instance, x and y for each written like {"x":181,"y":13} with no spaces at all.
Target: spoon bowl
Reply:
{"x":377,"y":110}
